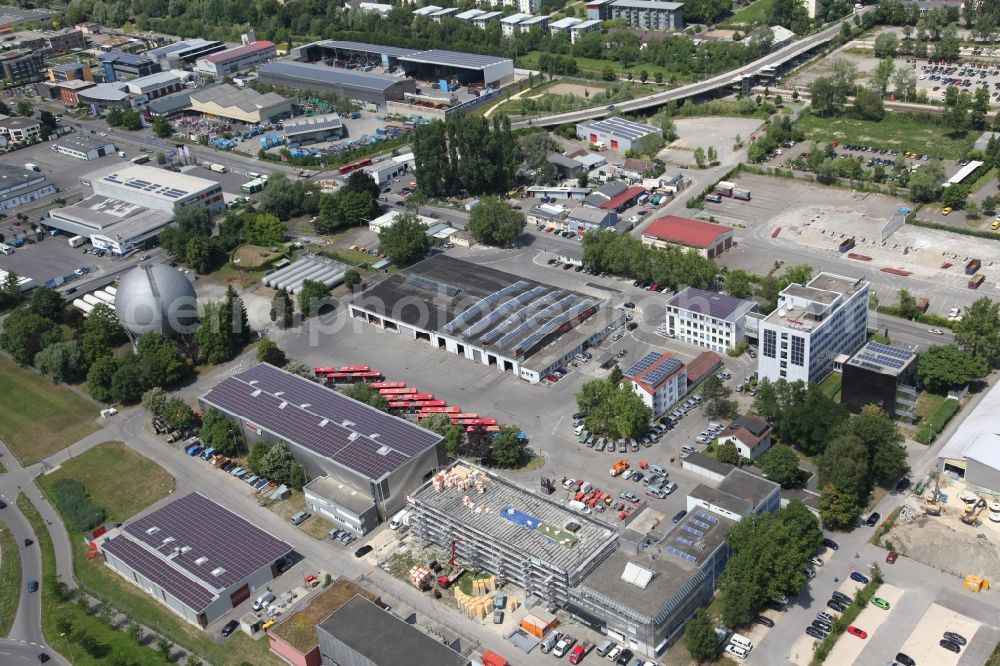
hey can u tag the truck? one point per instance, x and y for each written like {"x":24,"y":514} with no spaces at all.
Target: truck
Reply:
{"x":976,"y":281}
{"x":77,"y":241}
{"x":32,"y":167}
{"x":725,"y":188}
{"x":6,"y":249}
{"x":619,"y":467}
{"x":579,"y":651}
{"x":139,"y":159}
{"x":491,"y":658}
{"x":400,"y":519}
{"x":973,"y":266}
{"x":847,"y":245}
{"x":447,"y":581}
{"x":578,"y":506}
{"x":923,"y":304}
{"x":218,"y":168}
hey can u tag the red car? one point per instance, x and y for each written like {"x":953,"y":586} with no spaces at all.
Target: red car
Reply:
{"x":860,"y":633}
{"x":891,"y":556}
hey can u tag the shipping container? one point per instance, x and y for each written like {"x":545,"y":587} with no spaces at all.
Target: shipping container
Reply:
{"x":724,"y":188}
{"x":976,"y":281}
{"x":847,"y":245}
{"x":741,"y":193}
{"x":973,"y":266}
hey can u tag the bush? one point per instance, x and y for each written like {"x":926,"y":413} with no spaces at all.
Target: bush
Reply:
{"x":937,"y":420}
{"x":70,"y":497}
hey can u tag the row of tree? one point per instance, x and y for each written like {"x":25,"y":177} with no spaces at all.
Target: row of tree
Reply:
{"x":624,"y":254}
{"x":464,"y":153}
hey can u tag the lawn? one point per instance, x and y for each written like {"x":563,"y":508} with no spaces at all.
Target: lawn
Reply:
{"x":831,"y":385}
{"x":41,"y":418}
{"x":255,"y":256}
{"x":927,"y":402}
{"x":10,"y":579}
{"x":123,"y":483}
{"x":228,"y":274}
{"x":117,"y":479}
{"x":896,"y":131}
{"x":755,"y":12}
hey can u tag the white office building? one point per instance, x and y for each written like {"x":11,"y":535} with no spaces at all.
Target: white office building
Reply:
{"x":659,"y":379}
{"x":811,"y":325}
{"x":708,"y":319}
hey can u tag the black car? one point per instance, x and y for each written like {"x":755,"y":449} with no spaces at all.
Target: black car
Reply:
{"x":632,"y":326}
{"x":361,"y":552}
{"x":815,"y":633}
{"x":28,"y":542}
{"x":831,"y":544}
{"x":43,"y":657}
{"x":842,"y":598}
{"x":230,"y":627}
{"x":284,"y":564}
{"x":833,"y":604}
{"x":951,"y":646}
{"x":3,"y":505}
{"x":902,"y":485}
{"x":624,"y":658}
{"x":873,"y":519}
{"x":905,"y":659}
{"x":958,"y":639}
{"x":679,"y":516}
{"x":763,"y":621}
{"x":822,"y":626}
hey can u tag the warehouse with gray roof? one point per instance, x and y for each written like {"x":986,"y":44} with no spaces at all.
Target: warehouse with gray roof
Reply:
{"x":618,"y":134}
{"x":373,"y":88}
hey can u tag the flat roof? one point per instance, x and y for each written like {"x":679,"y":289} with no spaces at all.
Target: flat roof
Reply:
{"x":229,"y":96}
{"x":361,"y":47}
{"x":153,"y":81}
{"x":364,"y":627}
{"x":709,"y":463}
{"x":589,"y":23}
{"x":238,"y":52}
{"x":195,"y":548}
{"x":106,"y":92}
{"x":12,"y":176}
{"x":710,"y":303}
{"x":648,"y":4}
{"x":454,"y":59}
{"x":822,"y":292}
{"x":685,"y":231}
{"x":154,"y":182}
{"x":305,"y":125}
{"x":963,"y":173}
{"x":496,"y":310}
{"x":185,"y":45}
{"x":342,"y":494}
{"x":298,"y":628}
{"x":982,"y":418}
{"x":349,"y":433}
{"x":314,"y":73}
{"x":82,"y":142}
{"x":743,"y":484}
{"x":885,"y":359}
{"x":105,"y":215}
{"x":125,"y":58}
{"x":738,"y":505}
{"x":621,"y":127}
{"x":511,"y":514}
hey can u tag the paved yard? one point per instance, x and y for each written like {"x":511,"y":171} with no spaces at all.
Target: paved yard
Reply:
{"x":922,"y":643}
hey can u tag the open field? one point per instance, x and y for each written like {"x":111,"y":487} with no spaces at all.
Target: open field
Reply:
{"x":10,"y":579}
{"x":898,"y":131}
{"x":576,"y":89}
{"x":755,"y":12}
{"x":117,"y":479}
{"x":41,"y":418}
{"x":595,"y":66}
{"x":254,"y":256}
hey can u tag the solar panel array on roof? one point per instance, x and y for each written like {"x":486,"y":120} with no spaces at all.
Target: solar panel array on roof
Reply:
{"x":644,"y":364}
{"x":520,"y":315}
{"x":304,"y":413}
{"x":707,"y":516}
{"x":453,"y":59}
{"x":691,"y":530}
{"x":503,"y":309}
{"x":425,"y":283}
{"x":482,"y":304}
{"x":681,"y":554}
{"x":153,"y":567}
{"x":717,"y":306}
{"x":884,"y":356}
{"x":662,"y":371}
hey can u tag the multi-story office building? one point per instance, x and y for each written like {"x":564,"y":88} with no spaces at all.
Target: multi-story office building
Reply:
{"x":811,"y":326}
{"x":659,"y":379}
{"x":882,"y":375}
{"x":22,"y":66}
{"x":649,"y":14}
{"x":238,"y":59}
{"x":121,"y":66}
{"x":70,"y":71}
{"x":708,"y":319}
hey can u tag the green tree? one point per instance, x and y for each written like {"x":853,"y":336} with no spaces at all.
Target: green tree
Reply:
{"x":979,"y":331}
{"x":352,"y":279}
{"x":699,"y":157}
{"x":221,"y":433}
{"x":154,"y":400}
{"x":47,"y":303}
{"x":728,"y":453}
{"x":257,"y":454}
{"x":886,"y":44}
{"x":700,"y":638}
{"x":198,"y":254}
{"x":439,"y":423}
{"x":127,"y":383}
{"x":280,"y":197}
{"x":827,"y":173}
{"x":264,"y":229}
{"x":24,"y":108}
{"x":26,"y":333}
{"x":506,"y":450}
{"x":62,"y":362}
{"x":781,"y":465}
{"x":868,"y":105}
{"x":616,"y":375}
{"x":177,"y":414}
{"x":738,"y":283}
{"x":955,"y":196}
{"x":945,"y":367}
{"x":877,"y":432}
{"x":269,"y":352}
{"x":99,"y":378}
{"x":215,"y":339}
{"x":313,"y":297}
{"x":716,"y":398}
{"x":454,"y":439}
{"x":406,"y":240}
{"x":908,"y":305}
{"x":823,"y":94}
{"x":495,"y":222}
{"x":162,"y":128}
{"x":925,"y":183}
{"x":363,"y":392}
{"x":280,"y":466}
{"x":839,"y":508}
{"x":282,"y":311}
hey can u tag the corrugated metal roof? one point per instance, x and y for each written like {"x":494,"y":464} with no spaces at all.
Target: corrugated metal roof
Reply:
{"x":312,"y":73}
{"x":454,"y":59}
{"x":361,"y":47}
{"x":238,"y":52}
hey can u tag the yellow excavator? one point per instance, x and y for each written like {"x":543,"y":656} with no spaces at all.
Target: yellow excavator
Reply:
{"x":971,"y":515}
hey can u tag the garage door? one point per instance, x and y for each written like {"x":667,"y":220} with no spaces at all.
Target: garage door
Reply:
{"x":240,"y":595}
{"x":614,"y":145}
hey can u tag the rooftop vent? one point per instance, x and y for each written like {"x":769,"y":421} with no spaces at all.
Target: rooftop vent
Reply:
{"x":152,"y":530}
{"x":201,"y":560}
{"x":185,"y":549}
{"x":284,"y":403}
{"x":305,"y":404}
{"x":169,"y":540}
{"x":256,"y":393}
{"x":347,"y":424}
{"x":218,"y":571}
{"x":353,"y":436}
{"x":323,"y":423}
{"x":383,"y":450}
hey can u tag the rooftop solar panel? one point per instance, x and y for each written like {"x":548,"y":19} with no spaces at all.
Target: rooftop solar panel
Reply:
{"x":691,"y":530}
{"x":701,"y":524}
{"x":707,"y":516}
{"x":644,"y":364}
{"x":662,"y":371}
{"x":681,"y":554}
{"x":686,"y":542}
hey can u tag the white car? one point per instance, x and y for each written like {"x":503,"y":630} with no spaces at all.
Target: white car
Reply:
{"x":615,"y":651}
{"x":569,"y":484}
{"x":815,"y":561}
{"x":954,"y":312}
{"x":737,"y":651}
{"x":633,"y":219}
{"x":935,"y":331}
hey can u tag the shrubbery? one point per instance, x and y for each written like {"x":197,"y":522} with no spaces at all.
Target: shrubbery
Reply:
{"x":70,"y":497}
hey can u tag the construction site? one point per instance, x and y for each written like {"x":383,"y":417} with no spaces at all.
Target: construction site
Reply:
{"x":945,"y":512}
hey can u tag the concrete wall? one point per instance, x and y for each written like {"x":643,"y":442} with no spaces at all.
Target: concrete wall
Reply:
{"x":982,"y":475}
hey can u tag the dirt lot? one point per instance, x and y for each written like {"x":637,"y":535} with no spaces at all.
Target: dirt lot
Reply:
{"x":705,"y":132}
{"x":575,"y":89}
{"x":970,"y":550}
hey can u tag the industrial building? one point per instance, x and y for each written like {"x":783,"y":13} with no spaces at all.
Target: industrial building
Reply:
{"x":185,"y":51}
{"x":194,"y":556}
{"x":238,"y":59}
{"x":386,"y":220}
{"x":83,"y":147}
{"x":20,"y":186}
{"x":971,"y":453}
{"x":156,"y":188}
{"x":618,"y":134}
{"x":883,"y":375}
{"x":649,"y":14}
{"x":310,"y":129}
{"x":361,"y":461}
{"x":708,"y":319}
{"x":467,"y":68}
{"x":351,"y":55}
{"x":346,"y":637}
{"x":811,"y":325}
{"x":154,"y":86}
{"x":121,"y":66}
{"x":224,"y":100}
{"x":318,"y":269}
{"x":376,"y":89}
{"x":637,"y":588}
{"x":384,"y":170}
{"x":660,"y":380}
{"x":487,"y":316}
{"x":709,"y":239}
{"x":105,"y":96}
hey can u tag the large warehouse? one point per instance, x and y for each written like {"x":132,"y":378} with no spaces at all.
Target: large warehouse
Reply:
{"x":973,"y":451}
{"x":466,"y":68}
{"x":20,"y":186}
{"x":487,"y":316}
{"x":362,"y":461}
{"x":243,"y":104}
{"x":347,"y":54}
{"x":195,"y":557}
{"x":374,"y":88}
{"x":618,"y":134}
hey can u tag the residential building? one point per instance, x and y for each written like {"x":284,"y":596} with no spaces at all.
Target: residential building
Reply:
{"x":750,"y":434}
{"x":812,"y":7}
{"x":70,"y":71}
{"x":529,"y":6}
{"x":509,"y":24}
{"x":443,"y":13}
{"x":361,"y":461}
{"x":529,"y":24}
{"x":811,"y":325}
{"x":22,"y":66}
{"x":709,"y":239}
{"x":649,"y":14}
{"x":619,"y":134}
{"x":19,"y":128}
{"x":659,"y":379}
{"x":51,"y":42}
{"x":194,"y":556}
{"x":238,"y":59}
{"x":882,"y":375}
{"x":121,"y":66}
{"x":486,"y":18}
{"x":708,"y":319}
{"x":84,"y":146}
{"x":563,"y":25}
{"x":599,"y":10}
{"x":582,"y":28}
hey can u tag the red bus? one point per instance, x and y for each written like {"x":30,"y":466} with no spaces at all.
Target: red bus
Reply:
{"x":346,"y":368}
{"x":388,"y":385}
{"x":427,"y":411}
{"x":354,"y":166}
{"x":492,"y":428}
{"x":395,"y":391}
{"x":421,"y":396}
{"x":473,"y":422}
{"x":352,"y":378}
{"x":465,"y":416}
{"x":429,"y":403}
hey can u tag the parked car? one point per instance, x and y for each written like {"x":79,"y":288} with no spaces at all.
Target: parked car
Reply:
{"x":905,"y":659}
{"x":859,"y":577}
{"x":361,"y":552}
{"x":873,"y":519}
{"x":958,"y":639}
{"x":857,"y":631}
{"x":879,"y":602}
{"x":763,"y":621}
{"x":737,"y":651}
{"x":833,"y":604}
{"x":815,"y":633}
{"x":300,"y":517}
{"x":230,"y":627}
{"x":842,"y":598}
{"x":831,"y":544}
{"x":950,"y":645}
{"x":815,"y":561}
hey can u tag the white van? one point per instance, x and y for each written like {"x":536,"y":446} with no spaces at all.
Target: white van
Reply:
{"x":550,"y":641}
{"x":741,"y":641}
{"x":6,"y":249}
{"x":263,"y":601}
{"x":400,"y":519}
{"x":580,"y":428}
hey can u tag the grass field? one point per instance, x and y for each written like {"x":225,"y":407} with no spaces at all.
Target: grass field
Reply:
{"x":123,"y":482}
{"x":39,"y":417}
{"x":10,"y":579}
{"x":895,"y":131}
{"x":117,"y":479}
{"x":752,"y":13}
{"x":595,"y":66}
{"x":254,"y":256}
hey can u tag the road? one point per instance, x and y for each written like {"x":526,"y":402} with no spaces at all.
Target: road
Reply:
{"x":779,"y":57}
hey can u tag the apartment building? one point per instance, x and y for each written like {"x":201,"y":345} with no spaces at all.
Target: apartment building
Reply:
{"x":708,"y":319}
{"x":649,"y":14}
{"x":659,"y":379}
{"x":811,"y":326}
{"x":22,"y":65}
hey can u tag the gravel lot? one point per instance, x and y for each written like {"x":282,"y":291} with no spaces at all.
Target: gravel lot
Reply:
{"x":704,"y":133}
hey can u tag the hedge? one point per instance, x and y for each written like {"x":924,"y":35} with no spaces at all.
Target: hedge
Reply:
{"x":937,"y":420}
